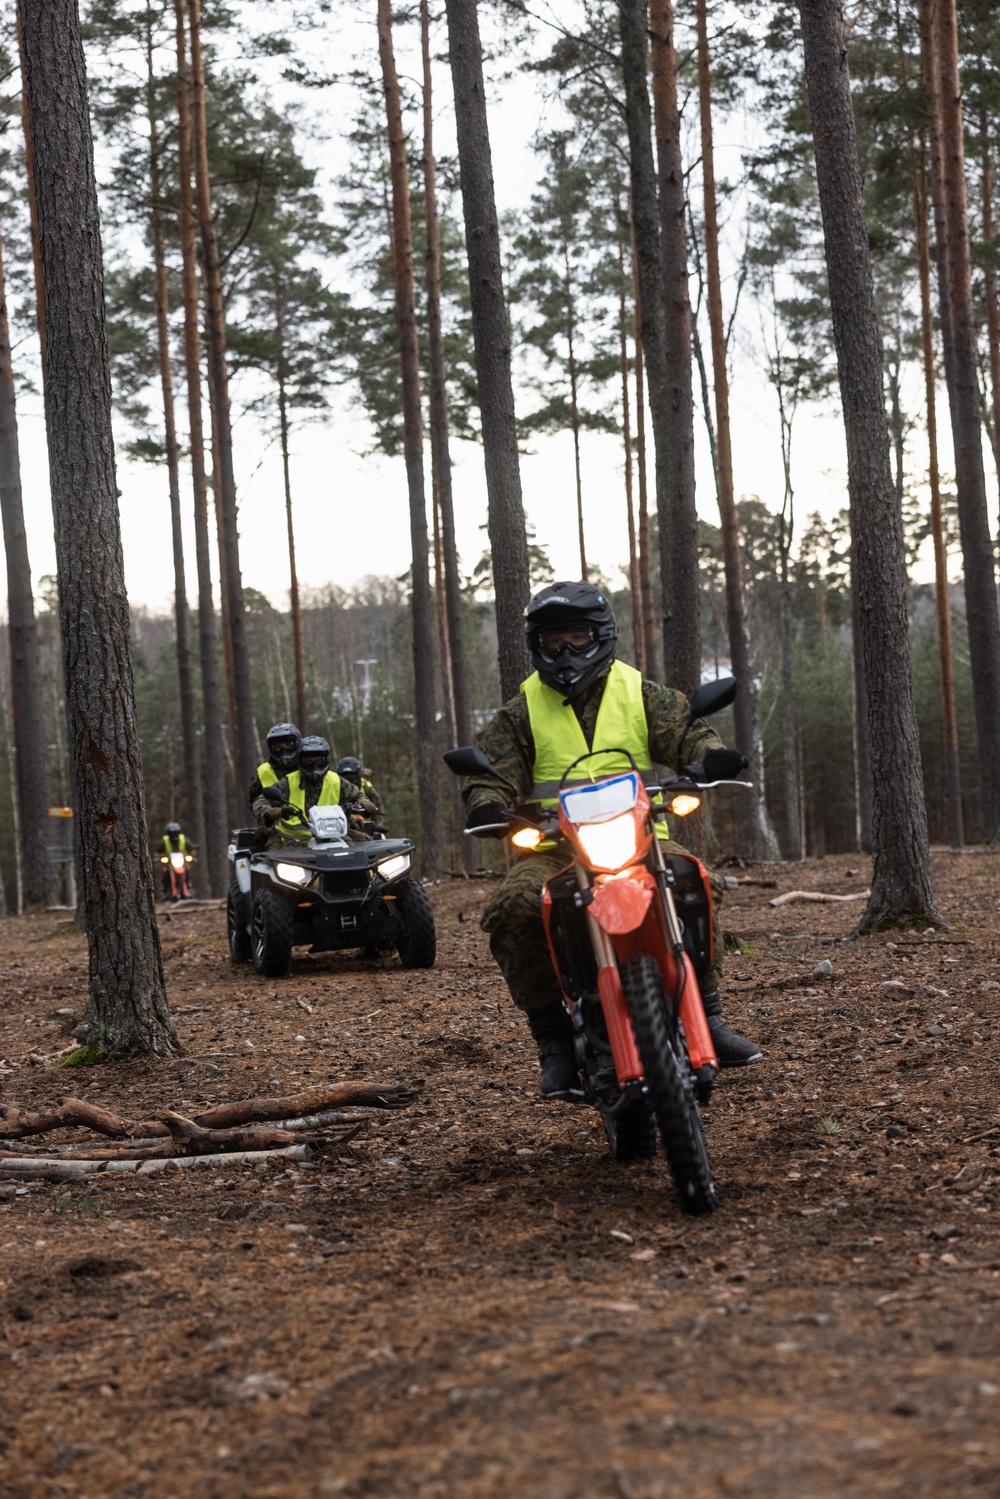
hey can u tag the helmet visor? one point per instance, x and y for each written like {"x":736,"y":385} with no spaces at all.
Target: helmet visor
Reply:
{"x":281,"y":746}
{"x":313,"y":763}
{"x":577,"y":639}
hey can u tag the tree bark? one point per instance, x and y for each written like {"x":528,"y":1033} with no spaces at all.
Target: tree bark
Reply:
{"x":678,"y":516}
{"x":491,"y":335}
{"x":952,"y":771}
{"x":194,"y":791}
{"x":634,"y":582}
{"x":756,"y":832}
{"x":413,"y":445}
{"x":990,"y":290}
{"x":862,"y":733}
{"x":216,"y":821}
{"x":244,"y":733}
{"x":31,"y":752}
{"x":438,"y":391}
{"x":298,"y":647}
{"x":964,"y":403}
{"x":901,"y":881}
{"x":645,"y":541}
{"x":128,"y":1007}
{"x":29,"y":164}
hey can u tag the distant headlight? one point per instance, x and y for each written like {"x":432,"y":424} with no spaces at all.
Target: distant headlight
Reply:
{"x":293,"y":874}
{"x":397,"y":864}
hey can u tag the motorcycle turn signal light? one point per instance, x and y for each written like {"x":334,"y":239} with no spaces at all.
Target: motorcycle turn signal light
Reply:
{"x":684,"y":804}
{"x":526,"y":838}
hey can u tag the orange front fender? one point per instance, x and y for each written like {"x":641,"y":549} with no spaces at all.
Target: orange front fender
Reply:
{"x":619,"y":904}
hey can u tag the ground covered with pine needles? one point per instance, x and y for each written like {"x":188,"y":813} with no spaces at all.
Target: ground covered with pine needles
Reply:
{"x":471,"y":1299}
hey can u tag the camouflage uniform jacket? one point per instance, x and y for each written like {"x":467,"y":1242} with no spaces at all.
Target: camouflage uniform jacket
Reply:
{"x":507,"y":740}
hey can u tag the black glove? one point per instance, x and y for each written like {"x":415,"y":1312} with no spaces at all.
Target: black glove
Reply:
{"x":724,"y":764}
{"x":484,"y":815}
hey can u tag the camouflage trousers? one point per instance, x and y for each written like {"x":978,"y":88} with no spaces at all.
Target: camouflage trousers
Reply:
{"x":513,"y":922}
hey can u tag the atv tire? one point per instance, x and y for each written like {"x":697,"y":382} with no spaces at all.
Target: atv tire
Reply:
{"x":417,"y":945}
{"x":670,"y":1085}
{"x":631,"y":1133}
{"x":271,"y":935}
{"x":240,"y":950}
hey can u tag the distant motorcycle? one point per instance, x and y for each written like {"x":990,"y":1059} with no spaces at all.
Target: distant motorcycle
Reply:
{"x":177,"y":866}
{"x":629,"y":929}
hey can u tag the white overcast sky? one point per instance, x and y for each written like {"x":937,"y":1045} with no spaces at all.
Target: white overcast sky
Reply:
{"x":338,"y":492}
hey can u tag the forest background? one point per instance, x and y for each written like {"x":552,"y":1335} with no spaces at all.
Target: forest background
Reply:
{"x":300,"y":178}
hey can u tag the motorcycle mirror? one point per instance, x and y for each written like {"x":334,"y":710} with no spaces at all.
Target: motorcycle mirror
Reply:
{"x":273,"y":795}
{"x":712,"y":697}
{"x":471,"y":761}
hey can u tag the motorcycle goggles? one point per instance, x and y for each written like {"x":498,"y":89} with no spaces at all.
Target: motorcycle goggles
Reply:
{"x":314,"y":765}
{"x":578,"y":640}
{"x":282,"y":748}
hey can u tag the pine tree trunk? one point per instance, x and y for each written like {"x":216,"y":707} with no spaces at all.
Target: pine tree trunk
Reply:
{"x":634,"y":584}
{"x":862,"y":732}
{"x":298,"y":647}
{"x":794,"y":847}
{"x":650,"y":315}
{"x":491,"y":335}
{"x":964,"y":402}
{"x":952,"y":771}
{"x":29,"y":164}
{"x":645,"y":540}
{"x":31,"y":752}
{"x":678,"y":516}
{"x":574,"y":406}
{"x":244,"y":733}
{"x":901,"y":882}
{"x":194,"y":792}
{"x":413,"y":446}
{"x":214,"y":858}
{"x":756,"y":834}
{"x":990,"y":290}
{"x":128,"y":1005}
{"x":438,"y":392}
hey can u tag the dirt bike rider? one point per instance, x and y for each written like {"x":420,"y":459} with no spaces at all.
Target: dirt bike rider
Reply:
{"x":351,"y":768}
{"x":283,"y":741}
{"x":312,"y":783}
{"x":174,"y":841}
{"x":577,"y":685}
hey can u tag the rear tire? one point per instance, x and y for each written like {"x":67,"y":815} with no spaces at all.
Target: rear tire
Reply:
{"x":417,"y":946}
{"x":631,"y":1134}
{"x":240,"y":950}
{"x":671,"y":1089}
{"x":271,"y":935}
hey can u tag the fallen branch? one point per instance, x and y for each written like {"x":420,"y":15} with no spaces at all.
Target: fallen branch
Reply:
{"x":355,"y":1095}
{"x":816,"y":896}
{"x":40,"y":1168}
{"x":15,"y":1122}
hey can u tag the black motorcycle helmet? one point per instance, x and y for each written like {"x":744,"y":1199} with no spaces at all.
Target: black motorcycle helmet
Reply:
{"x":283,"y":741}
{"x":574,"y":664}
{"x":350,"y":768}
{"x":173,"y":830}
{"x":313,"y":758}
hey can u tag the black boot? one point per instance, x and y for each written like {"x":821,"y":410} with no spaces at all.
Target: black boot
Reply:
{"x":731,"y":1049}
{"x":553,"y":1030}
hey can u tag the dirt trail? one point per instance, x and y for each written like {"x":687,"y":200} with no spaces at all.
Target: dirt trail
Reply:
{"x":472,"y":1300}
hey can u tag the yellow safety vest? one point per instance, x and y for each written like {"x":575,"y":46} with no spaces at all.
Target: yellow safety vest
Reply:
{"x":559,"y":739}
{"x":266,"y":774}
{"x":168,"y":847}
{"x":329,"y":796}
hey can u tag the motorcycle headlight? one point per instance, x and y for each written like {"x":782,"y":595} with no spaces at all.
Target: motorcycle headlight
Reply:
{"x":394,"y":865}
{"x":609,"y":845}
{"x":293,"y":874}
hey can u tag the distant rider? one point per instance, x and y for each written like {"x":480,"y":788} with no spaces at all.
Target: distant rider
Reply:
{"x":580,"y":698}
{"x":283,"y":742}
{"x":311,"y":784}
{"x":174,"y":841}
{"x":351,"y":768}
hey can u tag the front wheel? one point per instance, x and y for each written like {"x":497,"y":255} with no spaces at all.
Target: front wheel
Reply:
{"x":671,"y":1090}
{"x":236,"y":926}
{"x":631,"y":1132}
{"x":417,"y":945}
{"x":271,"y":935}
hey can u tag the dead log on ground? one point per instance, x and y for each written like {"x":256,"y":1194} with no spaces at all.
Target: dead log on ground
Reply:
{"x":342,"y":1095}
{"x":41,"y":1168}
{"x":816,"y":896}
{"x":15,"y":1122}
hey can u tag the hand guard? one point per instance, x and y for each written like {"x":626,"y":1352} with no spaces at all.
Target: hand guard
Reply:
{"x":484,"y":815}
{"x":724,"y":764}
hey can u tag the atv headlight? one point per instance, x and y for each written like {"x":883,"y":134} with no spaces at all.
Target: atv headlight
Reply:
{"x":396,"y":864}
{"x":293,"y":874}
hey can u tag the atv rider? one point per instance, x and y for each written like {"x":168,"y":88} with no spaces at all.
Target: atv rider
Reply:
{"x":311,"y":784}
{"x":283,"y":742}
{"x":351,"y":768}
{"x":580,"y":698}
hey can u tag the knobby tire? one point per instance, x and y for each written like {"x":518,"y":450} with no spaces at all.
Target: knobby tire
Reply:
{"x":671,"y":1090}
{"x":271,"y":935}
{"x":240,"y":949}
{"x":417,"y":946}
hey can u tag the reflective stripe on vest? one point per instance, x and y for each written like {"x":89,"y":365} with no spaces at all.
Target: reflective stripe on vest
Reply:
{"x":266,"y":774}
{"x":168,"y":847}
{"x":559,"y":739}
{"x":329,"y":796}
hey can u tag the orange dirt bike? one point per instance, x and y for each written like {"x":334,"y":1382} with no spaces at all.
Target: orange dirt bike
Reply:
{"x":629,"y":929}
{"x":175,"y":874}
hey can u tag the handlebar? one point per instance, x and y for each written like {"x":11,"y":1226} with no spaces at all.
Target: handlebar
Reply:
{"x":548,"y":823}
